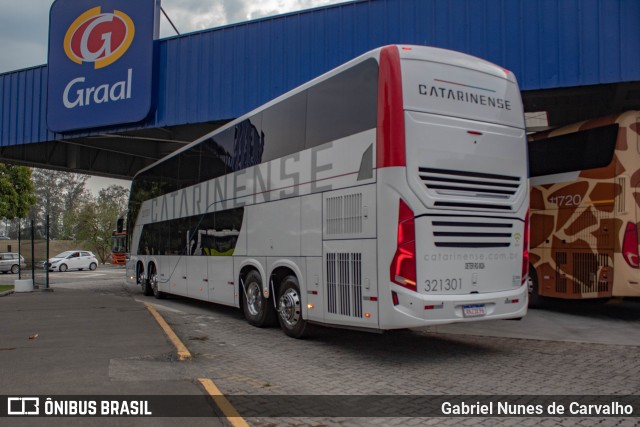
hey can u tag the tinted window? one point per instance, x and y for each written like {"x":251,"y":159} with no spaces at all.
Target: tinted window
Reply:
{"x":283,"y":127}
{"x":144,"y":187}
{"x":248,"y":143}
{"x":217,"y":153}
{"x":588,"y":149}
{"x":189,"y":167}
{"x":343,"y":105}
{"x":209,"y":234}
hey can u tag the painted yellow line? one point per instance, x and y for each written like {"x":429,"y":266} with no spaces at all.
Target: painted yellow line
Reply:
{"x":183,"y":353}
{"x":227,"y":409}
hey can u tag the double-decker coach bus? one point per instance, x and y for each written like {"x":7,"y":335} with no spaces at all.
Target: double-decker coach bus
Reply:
{"x":390,"y":192}
{"x":584,"y":209}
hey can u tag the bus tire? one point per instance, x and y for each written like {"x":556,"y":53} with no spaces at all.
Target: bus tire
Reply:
{"x":153,"y":282}
{"x":535,"y":300}
{"x":290,"y":308}
{"x":257,"y":309}
{"x":147,"y":289}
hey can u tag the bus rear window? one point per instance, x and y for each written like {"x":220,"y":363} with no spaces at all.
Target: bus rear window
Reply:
{"x":587,"y":149}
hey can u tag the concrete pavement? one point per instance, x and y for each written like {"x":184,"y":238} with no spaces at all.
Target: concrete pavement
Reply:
{"x":83,"y":342}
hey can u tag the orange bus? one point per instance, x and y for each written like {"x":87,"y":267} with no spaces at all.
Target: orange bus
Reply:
{"x":585,"y":207}
{"x":119,"y":244}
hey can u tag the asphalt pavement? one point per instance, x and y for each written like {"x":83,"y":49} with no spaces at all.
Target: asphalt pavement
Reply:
{"x":88,"y":342}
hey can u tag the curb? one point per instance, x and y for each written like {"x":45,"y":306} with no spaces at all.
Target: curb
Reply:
{"x":11,"y":291}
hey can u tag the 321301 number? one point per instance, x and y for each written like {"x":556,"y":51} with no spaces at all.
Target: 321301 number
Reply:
{"x":443,"y":285}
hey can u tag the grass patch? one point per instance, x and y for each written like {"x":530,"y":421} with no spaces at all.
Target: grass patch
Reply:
{"x":6,"y":288}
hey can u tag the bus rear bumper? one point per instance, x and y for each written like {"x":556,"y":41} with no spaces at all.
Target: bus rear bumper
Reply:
{"x":415,"y":310}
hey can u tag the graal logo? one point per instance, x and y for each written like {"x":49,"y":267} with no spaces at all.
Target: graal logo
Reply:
{"x":99,"y":37}
{"x":23,"y":406}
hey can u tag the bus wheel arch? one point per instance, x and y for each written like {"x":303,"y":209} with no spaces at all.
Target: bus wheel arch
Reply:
{"x":140,"y":276}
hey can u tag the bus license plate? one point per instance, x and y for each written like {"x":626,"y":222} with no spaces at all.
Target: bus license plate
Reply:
{"x":473,"y":310}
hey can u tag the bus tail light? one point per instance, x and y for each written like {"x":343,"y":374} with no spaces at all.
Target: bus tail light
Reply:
{"x":403,"y":266}
{"x":525,"y":248}
{"x":630,"y":245}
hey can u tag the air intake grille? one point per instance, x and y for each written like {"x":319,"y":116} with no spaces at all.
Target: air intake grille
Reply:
{"x":344,"y":284}
{"x":479,"y":189}
{"x":344,"y":214}
{"x":585,"y":273}
{"x":561,"y":279}
{"x":465,"y":234}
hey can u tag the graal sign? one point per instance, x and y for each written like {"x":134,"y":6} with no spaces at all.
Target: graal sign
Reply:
{"x":100,"y":62}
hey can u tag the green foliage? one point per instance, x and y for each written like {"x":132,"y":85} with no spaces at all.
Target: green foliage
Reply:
{"x":74,"y":213}
{"x":60,"y":195}
{"x":96,"y":219}
{"x":16,"y":191}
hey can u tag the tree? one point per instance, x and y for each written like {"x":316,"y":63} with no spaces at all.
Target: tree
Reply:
{"x":60,"y":195}
{"x":16,"y":191}
{"x":97,"y":218}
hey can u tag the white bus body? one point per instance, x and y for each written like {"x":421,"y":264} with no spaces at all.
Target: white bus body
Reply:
{"x":403,"y":205}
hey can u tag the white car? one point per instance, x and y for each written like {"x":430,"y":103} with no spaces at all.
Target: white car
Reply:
{"x":9,"y":262}
{"x":73,"y":260}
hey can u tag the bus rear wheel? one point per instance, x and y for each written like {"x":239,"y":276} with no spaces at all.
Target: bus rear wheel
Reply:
{"x":290,"y":308}
{"x":147,"y":289}
{"x":258,"y":310}
{"x":153,"y":282}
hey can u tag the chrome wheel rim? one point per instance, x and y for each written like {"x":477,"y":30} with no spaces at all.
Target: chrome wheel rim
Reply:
{"x":254,"y":299}
{"x":153,"y":281}
{"x":289,"y":307}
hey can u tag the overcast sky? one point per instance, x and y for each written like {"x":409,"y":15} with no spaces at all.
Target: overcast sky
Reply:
{"x":24,"y":29}
{"x":24,"y":25}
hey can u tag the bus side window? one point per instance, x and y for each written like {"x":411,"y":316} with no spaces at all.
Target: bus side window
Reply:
{"x":283,"y":126}
{"x":343,"y":105}
{"x":217,"y":153}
